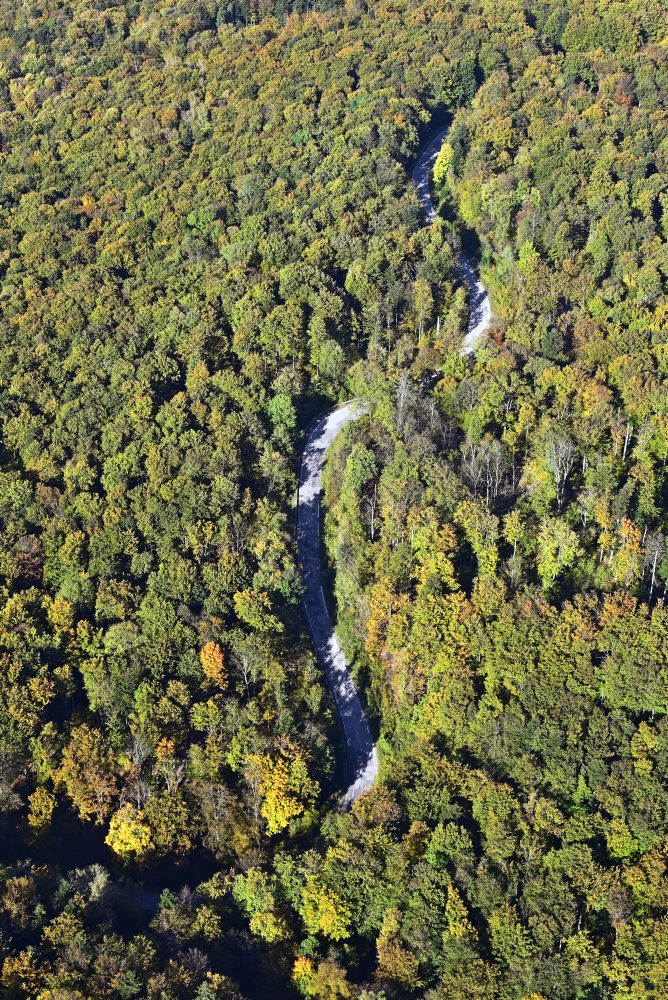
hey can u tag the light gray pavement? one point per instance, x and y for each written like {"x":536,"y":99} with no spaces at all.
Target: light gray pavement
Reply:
{"x":361,"y":756}
{"x":480,"y":314}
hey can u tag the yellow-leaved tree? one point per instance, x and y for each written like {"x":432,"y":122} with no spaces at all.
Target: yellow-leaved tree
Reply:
{"x":42,"y":804}
{"x":129,"y":835}
{"x":444,"y":160}
{"x":283,"y":783}
{"x":323,"y":911}
{"x":88,"y":773}
{"x":395,"y":961}
{"x":213,"y":664}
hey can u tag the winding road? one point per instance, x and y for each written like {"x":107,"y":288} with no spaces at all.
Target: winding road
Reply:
{"x":480,"y":311}
{"x":361,"y":755}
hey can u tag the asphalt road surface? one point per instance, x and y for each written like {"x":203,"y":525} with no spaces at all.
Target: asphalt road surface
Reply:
{"x":361,"y":756}
{"x":480,"y":312}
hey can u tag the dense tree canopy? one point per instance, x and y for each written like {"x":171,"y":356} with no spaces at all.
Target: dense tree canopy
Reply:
{"x":208,"y":233}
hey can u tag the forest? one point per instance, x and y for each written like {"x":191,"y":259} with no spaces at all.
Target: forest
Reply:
{"x":208,"y":236}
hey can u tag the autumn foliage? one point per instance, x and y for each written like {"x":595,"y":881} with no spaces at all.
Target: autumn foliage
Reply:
{"x":209,"y":235}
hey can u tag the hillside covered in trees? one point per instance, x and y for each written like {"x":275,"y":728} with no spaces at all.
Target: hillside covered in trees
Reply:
{"x":208,"y":235}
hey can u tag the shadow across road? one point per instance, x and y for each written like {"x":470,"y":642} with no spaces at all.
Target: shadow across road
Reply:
{"x":361,"y":757}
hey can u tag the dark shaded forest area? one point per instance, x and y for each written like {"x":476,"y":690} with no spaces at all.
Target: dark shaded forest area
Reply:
{"x":208,"y":235}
